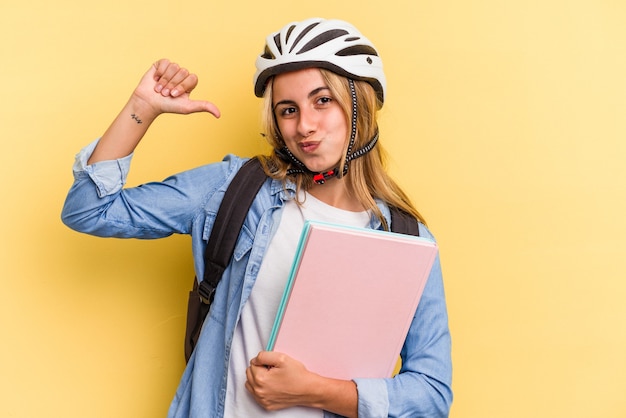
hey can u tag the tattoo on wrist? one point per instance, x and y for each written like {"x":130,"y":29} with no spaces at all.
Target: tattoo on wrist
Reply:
{"x":136,"y":118}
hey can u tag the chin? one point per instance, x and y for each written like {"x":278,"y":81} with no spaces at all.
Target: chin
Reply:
{"x":320,"y":167}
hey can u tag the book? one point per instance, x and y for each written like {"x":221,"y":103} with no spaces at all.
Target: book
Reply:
{"x":350,"y":299}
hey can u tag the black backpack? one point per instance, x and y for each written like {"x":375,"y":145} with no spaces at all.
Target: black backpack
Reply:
{"x":230,"y":216}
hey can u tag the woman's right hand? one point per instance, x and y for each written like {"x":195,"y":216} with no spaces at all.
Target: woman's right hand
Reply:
{"x":166,"y":87}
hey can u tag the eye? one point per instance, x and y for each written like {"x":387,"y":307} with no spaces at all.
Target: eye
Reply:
{"x":324,"y":100}
{"x":286,"y":111}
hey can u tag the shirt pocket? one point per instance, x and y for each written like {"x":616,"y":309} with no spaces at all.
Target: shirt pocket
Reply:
{"x":244,"y":243}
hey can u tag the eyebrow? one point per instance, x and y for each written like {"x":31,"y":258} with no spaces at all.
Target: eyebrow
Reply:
{"x":311,"y":94}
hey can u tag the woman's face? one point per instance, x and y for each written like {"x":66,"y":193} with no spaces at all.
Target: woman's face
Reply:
{"x":311,"y":122}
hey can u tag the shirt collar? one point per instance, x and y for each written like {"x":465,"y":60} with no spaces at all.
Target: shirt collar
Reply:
{"x":288,"y":192}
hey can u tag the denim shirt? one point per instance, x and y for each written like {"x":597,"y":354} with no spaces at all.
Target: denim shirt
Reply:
{"x":187,"y":203}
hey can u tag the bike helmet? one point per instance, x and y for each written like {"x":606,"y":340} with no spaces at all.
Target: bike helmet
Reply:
{"x":331,"y":44}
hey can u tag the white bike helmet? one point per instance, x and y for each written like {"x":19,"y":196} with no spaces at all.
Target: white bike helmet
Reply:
{"x":331,"y":44}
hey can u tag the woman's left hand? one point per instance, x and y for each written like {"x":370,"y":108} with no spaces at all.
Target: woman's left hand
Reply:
{"x":278,"y":381}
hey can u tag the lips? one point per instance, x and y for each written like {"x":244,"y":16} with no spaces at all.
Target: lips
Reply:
{"x":309,"y":146}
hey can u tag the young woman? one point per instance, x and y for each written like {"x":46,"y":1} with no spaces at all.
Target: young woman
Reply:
{"x":322,"y":84}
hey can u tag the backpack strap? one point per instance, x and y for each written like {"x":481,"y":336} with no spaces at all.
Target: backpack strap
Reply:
{"x":403,"y":223}
{"x":228,"y":222}
{"x":219,"y":250}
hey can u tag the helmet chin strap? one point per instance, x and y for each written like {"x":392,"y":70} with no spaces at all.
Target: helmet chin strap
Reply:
{"x":321,"y":177}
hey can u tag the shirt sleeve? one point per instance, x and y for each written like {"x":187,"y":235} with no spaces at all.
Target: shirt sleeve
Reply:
{"x":100,"y":204}
{"x":108,"y":176}
{"x":422,"y":388}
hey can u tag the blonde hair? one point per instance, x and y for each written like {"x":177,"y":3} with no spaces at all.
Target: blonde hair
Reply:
{"x":367,"y":178}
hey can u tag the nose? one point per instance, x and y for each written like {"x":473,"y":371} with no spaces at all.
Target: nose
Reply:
{"x":307,"y":123}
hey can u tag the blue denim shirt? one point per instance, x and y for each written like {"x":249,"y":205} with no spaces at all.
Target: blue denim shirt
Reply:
{"x":187,"y":203}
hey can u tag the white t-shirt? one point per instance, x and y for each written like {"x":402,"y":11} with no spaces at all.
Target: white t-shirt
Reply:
{"x":257,"y":317}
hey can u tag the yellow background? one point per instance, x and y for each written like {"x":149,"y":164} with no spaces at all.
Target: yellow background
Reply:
{"x":505,"y":122}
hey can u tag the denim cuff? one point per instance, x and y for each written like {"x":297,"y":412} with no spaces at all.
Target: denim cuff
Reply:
{"x":373,"y":398}
{"x":108,"y":176}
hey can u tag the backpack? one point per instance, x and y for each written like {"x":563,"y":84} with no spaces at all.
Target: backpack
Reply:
{"x":230,"y":217}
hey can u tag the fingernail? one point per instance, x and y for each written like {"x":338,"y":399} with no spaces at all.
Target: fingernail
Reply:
{"x":159,"y":88}
{"x":166,"y":92}
{"x":174,"y":93}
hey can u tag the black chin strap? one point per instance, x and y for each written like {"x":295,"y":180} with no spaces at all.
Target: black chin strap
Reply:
{"x":320,"y":178}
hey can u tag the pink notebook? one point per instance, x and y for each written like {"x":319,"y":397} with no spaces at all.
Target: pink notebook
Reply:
{"x":350,"y":299}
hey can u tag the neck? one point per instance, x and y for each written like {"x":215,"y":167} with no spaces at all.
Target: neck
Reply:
{"x":335,"y":193}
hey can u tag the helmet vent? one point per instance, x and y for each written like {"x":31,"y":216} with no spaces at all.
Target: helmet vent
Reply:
{"x":357,"y":50}
{"x":291,"y":28}
{"x":302,"y":34}
{"x":267,"y":54}
{"x":322,"y":39}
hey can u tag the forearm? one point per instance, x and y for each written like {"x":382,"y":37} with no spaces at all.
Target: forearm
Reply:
{"x":337,"y":396}
{"x":125,"y":133}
